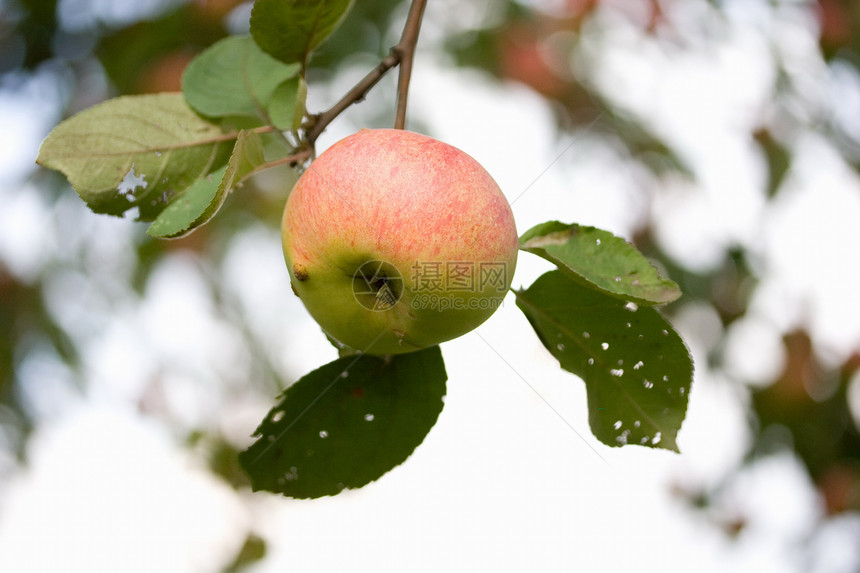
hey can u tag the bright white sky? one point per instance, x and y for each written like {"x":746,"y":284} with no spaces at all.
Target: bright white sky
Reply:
{"x":501,"y":483}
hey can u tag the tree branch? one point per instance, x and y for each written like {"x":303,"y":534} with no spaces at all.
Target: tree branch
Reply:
{"x":406,"y":49}
{"x":356,"y":94}
{"x":401,"y":54}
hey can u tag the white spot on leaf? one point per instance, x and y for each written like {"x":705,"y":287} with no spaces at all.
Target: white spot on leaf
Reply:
{"x":130,"y":183}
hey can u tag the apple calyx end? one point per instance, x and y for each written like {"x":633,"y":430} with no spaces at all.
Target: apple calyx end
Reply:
{"x":300,"y":272}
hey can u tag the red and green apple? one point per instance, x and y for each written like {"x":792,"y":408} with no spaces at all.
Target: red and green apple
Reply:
{"x":396,"y":241}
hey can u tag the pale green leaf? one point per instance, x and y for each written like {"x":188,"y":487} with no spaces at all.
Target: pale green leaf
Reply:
{"x":287,"y":109}
{"x":186,"y":212}
{"x":234,"y":78}
{"x":599,"y":259}
{"x":135,"y":152}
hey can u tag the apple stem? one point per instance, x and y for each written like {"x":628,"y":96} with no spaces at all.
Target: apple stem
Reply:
{"x":401,"y":54}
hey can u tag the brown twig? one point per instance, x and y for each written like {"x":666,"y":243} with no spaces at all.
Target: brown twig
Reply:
{"x":357,"y":93}
{"x":294,"y":159}
{"x":401,"y":54}
{"x":406,"y":49}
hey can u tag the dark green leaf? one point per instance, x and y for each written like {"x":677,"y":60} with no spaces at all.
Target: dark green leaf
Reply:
{"x":290,"y":30}
{"x":234,"y":78}
{"x":135,"y":152}
{"x":599,"y":259}
{"x":347,"y":423}
{"x":637,"y":370}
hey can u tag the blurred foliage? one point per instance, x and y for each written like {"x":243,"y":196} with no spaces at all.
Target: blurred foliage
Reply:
{"x":151,"y":56}
{"x":27,"y":32}
{"x":253,"y":550}
{"x":804,"y":410}
{"x":840,"y":29}
{"x":807,"y":409}
{"x":533,"y":48}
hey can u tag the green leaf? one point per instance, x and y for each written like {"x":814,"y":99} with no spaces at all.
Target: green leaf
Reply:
{"x":234,"y":78}
{"x":347,"y":423}
{"x":201,"y":201}
{"x":247,"y":157}
{"x":636,"y":368}
{"x":186,"y":212}
{"x":599,"y":259}
{"x":287,"y":109}
{"x":290,"y":30}
{"x":135,"y":152}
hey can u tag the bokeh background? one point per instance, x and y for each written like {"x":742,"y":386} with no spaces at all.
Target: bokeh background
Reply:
{"x":722,"y":137}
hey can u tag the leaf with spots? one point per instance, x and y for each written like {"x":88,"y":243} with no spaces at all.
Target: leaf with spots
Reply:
{"x":135,"y":153}
{"x":636,"y":368}
{"x":347,"y":423}
{"x":598,"y":259}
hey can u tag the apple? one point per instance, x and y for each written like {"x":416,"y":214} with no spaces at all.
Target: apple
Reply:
{"x":396,"y":241}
